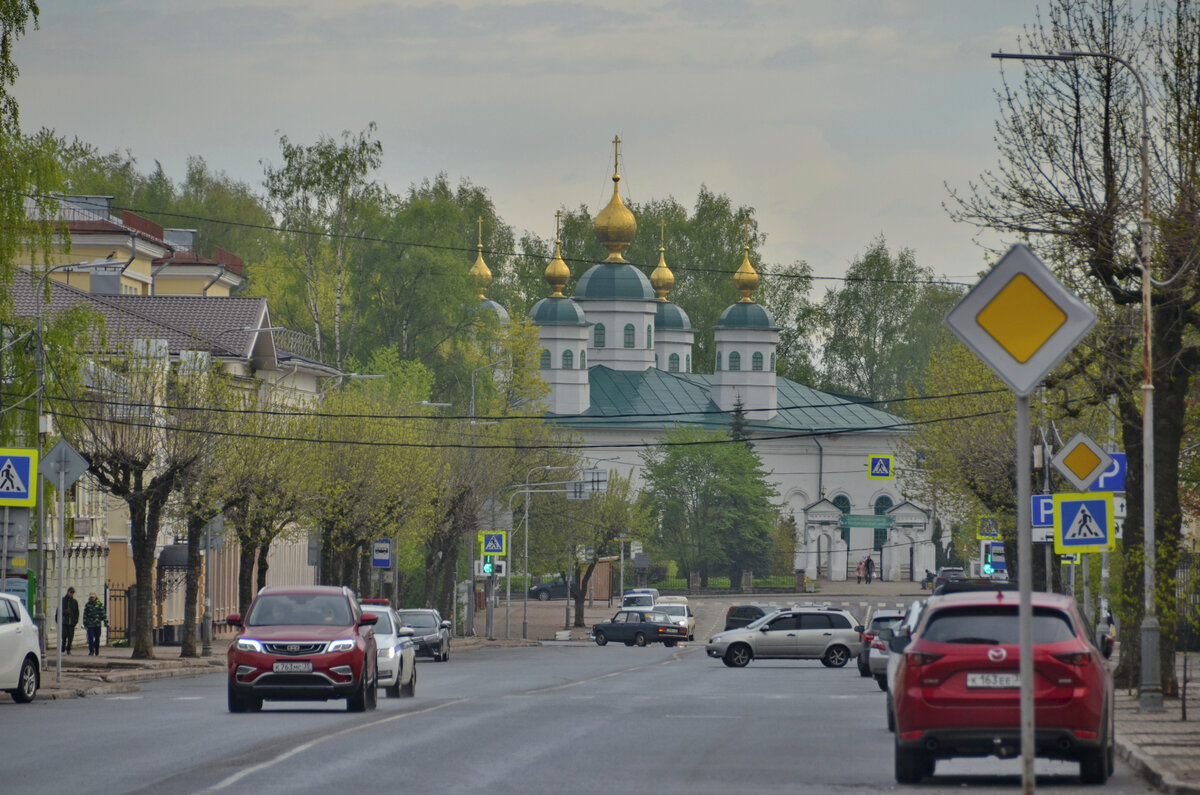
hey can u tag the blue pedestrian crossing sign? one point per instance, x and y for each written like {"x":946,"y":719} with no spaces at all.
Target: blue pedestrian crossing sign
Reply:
{"x":18,"y":478}
{"x":493,"y":543}
{"x":1083,"y":522}
{"x":881,"y":468}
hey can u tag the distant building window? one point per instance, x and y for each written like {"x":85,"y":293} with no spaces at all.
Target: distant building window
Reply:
{"x":598,"y":336}
{"x":629,"y":335}
{"x":582,"y":360}
{"x":544,"y":364}
{"x":880,"y":538}
{"x":689,"y":363}
{"x":772,"y":362}
{"x":649,"y":336}
{"x":883,"y":505}
{"x":568,"y":362}
{"x":735,"y":361}
{"x":842,"y":502}
{"x":673,"y":363}
{"x":756,"y":362}
{"x":718,"y":361}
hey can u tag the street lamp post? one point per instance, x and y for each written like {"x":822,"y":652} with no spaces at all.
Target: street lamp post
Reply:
{"x":1150,"y":687}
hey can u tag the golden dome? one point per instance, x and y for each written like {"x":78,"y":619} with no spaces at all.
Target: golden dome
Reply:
{"x":615,"y":225}
{"x":661,"y":277}
{"x":480,"y":271}
{"x":557,"y":272}
{"x":745,"y":278}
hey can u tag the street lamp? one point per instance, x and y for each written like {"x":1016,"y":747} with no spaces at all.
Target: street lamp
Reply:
{"x":1150,"y":686}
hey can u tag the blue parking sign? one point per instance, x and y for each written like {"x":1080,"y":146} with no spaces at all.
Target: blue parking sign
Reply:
{"x":1113,"y":478}
{"x":1042,"y":514}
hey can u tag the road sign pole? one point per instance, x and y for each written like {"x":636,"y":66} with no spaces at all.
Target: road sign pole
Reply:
{"x":4,"y":552}
{"x":1024,"y":582}
{"x":58,"y":561}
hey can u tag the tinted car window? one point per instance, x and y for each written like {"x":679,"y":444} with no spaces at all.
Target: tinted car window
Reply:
{"x":995,"y":625}
{"x":814,"y":621}
{"x":299,"y":609}
{"x":884,"y":623}
{"x":420,"y":620}
{"x":8,"y":614}
{"x":839,"y":621}
{"x":785,"y":622}
{"x":384,"y":625}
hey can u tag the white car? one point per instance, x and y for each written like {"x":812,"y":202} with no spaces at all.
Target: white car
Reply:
{"x":395,"y":652}
{"x":681,"y":614}
{"x":20,"y":651}
{"x":895,"y":650}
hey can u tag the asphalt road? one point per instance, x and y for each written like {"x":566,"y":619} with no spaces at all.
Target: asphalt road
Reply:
{"x":539,"y":719}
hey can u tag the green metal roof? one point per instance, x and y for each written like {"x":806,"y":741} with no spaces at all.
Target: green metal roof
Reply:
{"x":746,"y":314}
{"x":613,"y":280}
{"x":557,"y":312}
{"x":656,"y":399}
{"x":670,"y":316}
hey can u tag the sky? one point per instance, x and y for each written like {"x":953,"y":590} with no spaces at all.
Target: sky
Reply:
{"x":838,"y":121}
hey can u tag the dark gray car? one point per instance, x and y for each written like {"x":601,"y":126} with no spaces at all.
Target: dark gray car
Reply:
{"x":430,"y":633}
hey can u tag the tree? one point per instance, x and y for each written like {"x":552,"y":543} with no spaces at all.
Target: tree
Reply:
{"x":616,"y":513}
{"x":1068,"y":181}
{"x":877,"y":326}
{"x":713,"y":503}
{"x":320,"y":194}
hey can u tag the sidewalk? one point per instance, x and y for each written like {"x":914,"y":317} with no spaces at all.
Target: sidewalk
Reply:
{"x":1160,"y":746}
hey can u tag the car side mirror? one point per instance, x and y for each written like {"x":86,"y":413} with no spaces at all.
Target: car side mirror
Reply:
{"x":899,"y":640}
{"x":369,"y":618}
{"x":235,"y":619}
{"x":859,"y":629}
{"x":405,"y":632}
{"x":445,"y":625}
{"x":763,"y":628}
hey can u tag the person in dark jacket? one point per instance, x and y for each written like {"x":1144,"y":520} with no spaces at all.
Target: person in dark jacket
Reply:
{"x":70,"y":617}
{"x":94,"y":617}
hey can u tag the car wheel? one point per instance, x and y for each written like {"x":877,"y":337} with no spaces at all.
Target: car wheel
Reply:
{"x":881,"y":680}
{"x":357,"y":701}
{"x":836,"y":657}
{"x":737,"y":655}
{"x":601,"y":638}
{"x":1093,"y":763}
{"x":863,"y":668}
{"x":670,"y":644}
{"x":27,"y":682}
{"x":628,"y":643}
{"x":911,"y":765}
{"x":543,"y":596}
{"x":639,"y":639}
{"x":891,"y":714}
{"x":236,"y":702}
{"x":393,"y":691}
{"x":445,"y":655}
{"x":409,"y":690}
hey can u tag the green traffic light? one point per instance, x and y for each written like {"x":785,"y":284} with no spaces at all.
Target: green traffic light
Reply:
{"x":487,"y":564}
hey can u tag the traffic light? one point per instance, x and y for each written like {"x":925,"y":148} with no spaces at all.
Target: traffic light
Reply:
{"x":488,"y":566}
{"x":988,"y":568}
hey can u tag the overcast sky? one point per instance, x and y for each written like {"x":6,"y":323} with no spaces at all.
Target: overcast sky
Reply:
{"x":837,"y":121}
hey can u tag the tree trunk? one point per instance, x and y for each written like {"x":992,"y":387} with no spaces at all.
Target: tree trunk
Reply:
{"x":142,"y":547}
{"x":246,"y":575}
{"x":264,"y":564}
{"x":195,"y":532}
{"x":582,"y":593}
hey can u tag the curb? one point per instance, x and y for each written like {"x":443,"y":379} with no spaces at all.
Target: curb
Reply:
{"x":1143,"y":764}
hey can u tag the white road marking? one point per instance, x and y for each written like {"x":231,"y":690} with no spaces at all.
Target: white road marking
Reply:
{"x":236,"y":777}
{"x":123,"y":698}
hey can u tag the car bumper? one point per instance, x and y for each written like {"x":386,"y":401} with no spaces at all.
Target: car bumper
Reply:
{"x":428,"y":648}
{"x":389,"y":671}
{"x":716,"y":649}
{"x":332,"y":676}
{"x":1002,"y":742}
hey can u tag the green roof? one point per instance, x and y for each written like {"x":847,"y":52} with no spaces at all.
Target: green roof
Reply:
{"x":656,"y":399}
{"x":670,"y":316}
{"x":611,"y":281}
{"x":557,"y":312}
{"x":746,"y":314}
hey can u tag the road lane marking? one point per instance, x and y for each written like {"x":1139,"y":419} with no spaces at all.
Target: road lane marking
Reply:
{"x":236,"y":777}
{"x":123,"y":698}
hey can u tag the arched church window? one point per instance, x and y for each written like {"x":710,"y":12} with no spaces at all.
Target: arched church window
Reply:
{"x":842,"y":502}
{"x":544,"y":363}
{"x":598,"y":335}
{"x":649,"y":336}
{"x":673,"y":363}
{"x":582,"y":359}
{"x":883,"y":505}
{"x":629,"y":334}
{"x":735,"y":361}
{"x":756,"y":362}
{"x":568,"y":362}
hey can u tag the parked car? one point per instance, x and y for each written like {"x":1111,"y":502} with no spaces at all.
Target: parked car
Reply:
{"x":397,"y":653}
{"x":556,"y":588}
{"x":20,"y":651}
{"x":957,"y":690}
{"x":948,"y":573}
{"x":830,"y":635}
{"x":681,"y":614}
{"x":431,"y":633}
{"x":964,"y":584}
{"x":638,"y":626}
{"x":640,"y":597}
{"x":303,"y":643}
{"x":741,"y":615}
{"x":880,"y":619}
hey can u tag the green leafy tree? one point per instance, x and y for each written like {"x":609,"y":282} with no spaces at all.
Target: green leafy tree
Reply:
{"x":614,"y":514}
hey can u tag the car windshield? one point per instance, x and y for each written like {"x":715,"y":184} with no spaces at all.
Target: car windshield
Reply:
{"x":420,"y":620}
{"x":637,"y":600}
{"x":884,"y":622}
{"x":300,"y":609}
{"x":679,"y":611}
{"x":661,"y":618}
{"x":994,"y":625}
{"x":384,"y":625}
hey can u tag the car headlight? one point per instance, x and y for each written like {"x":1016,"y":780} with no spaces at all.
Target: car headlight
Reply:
{"x":715,"y":639}
{"x":248,"y":644}
{"x":387,"y":653}
{"x":345,"y":644}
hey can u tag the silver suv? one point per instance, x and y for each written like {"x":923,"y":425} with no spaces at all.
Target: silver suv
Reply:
{"x":827,"y":634}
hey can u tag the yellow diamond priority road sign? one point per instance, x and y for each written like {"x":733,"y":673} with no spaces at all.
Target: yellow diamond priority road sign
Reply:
{"x":1081,"y":461}
{"x":1020,"y":320}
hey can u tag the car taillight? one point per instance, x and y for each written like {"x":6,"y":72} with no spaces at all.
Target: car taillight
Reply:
{"x":878,"y":645}
{"x":919,"y":658}
{"x":1075,"y":658}
{"x":867,"y":637}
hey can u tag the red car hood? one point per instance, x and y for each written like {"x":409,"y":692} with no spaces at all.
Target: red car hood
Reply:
{"x":312,"y":632}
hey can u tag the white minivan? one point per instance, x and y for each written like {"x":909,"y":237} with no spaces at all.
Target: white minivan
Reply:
{"x":20,"y":653}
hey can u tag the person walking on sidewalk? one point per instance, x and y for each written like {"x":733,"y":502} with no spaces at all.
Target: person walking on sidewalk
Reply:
{"x":861,"y":572}
{"x":94,"y":616}
{"x":869,"y":565}
{"x":69,"y":613}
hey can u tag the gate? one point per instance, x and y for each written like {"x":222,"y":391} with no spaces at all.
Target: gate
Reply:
{"x":119,"y":604}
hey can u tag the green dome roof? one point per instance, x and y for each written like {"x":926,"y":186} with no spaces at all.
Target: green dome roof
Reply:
{"x":746,"y":314}
{"x":488,"y":304}
{"x":670,"y":316}
{"x":557,"y":312}
{"x":614,"y":280}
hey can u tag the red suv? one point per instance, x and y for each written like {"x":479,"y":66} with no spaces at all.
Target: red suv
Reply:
{"x":957,"y":690}
{"x":303,"y":643}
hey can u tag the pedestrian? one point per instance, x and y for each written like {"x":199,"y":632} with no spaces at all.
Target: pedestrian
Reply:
{"x":870,"y":568}
{"x":69,"y":613}
{"x":94,"y":616}
{"x":861,"y":572}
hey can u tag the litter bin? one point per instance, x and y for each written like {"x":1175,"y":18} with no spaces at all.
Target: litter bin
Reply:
{"x":480,"y":597}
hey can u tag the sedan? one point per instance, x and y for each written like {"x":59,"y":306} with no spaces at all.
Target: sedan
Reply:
{"x":396,"y":652}
{"x":20,"y":655}
{"x":637,"y":627}
{"x":430,"y":633}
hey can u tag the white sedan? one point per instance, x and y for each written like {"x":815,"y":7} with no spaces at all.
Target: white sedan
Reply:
{"x":396,"y":652}
{"x":20,"y":654}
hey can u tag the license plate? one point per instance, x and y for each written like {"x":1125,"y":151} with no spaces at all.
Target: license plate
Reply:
{"x":993,"y":680}
{"x":292,"y":668}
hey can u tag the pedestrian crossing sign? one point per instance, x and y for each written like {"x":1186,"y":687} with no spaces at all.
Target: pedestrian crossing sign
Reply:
{"x":493,"y":543}
{"x":1083,"y":522}
{"x":880,"y":468}
{"x":18,"y":478}
{"x":989,"y":528}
